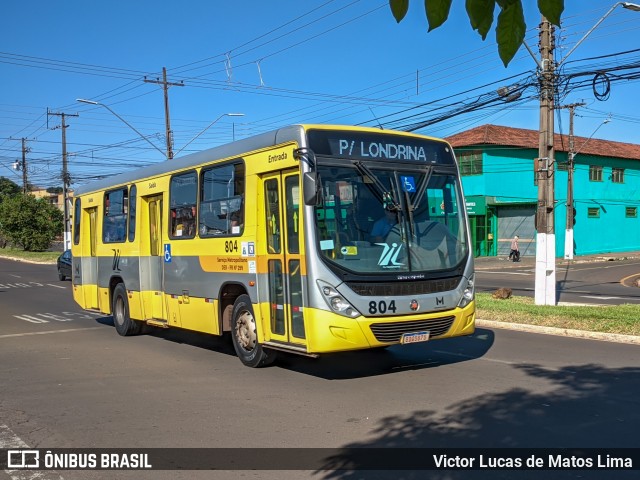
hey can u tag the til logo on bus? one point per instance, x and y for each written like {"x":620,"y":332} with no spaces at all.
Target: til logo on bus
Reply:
{"x":389,"y":257}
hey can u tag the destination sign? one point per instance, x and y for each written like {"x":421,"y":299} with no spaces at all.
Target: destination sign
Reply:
{"x":379,"y":146}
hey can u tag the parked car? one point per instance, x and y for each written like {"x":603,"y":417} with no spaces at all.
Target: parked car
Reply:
{"x":64,"y":265}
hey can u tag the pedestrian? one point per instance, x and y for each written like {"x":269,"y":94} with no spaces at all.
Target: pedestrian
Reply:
{"x":514,"y":254}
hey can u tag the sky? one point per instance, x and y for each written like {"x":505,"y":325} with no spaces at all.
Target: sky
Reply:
{"x":278,"y":63}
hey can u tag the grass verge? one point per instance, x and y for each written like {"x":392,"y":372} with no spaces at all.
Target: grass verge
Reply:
{"x":622,"y":319}
{"x":37,"y":257}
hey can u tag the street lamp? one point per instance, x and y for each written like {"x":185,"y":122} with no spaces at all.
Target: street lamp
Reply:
{"x":92,"y":102}
{"x":629,"y":6}
{"x":209,"y":126}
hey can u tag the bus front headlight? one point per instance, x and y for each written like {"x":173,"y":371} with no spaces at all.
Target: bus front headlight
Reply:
{"x":336,"y":302}
{"x":469,"y":292}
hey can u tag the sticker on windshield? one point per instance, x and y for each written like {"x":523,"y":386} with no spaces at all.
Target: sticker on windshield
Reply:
{"x":389,"y":256}
{"x":327,"y":245}
{"x":408,"y":184}
{"x":349,"y":250}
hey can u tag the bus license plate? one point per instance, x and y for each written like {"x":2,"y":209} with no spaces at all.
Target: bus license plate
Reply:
{"x":414,"y":337}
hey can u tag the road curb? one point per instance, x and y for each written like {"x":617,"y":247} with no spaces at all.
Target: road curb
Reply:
{"x":564,"y":332}
{"x":26,"y":260}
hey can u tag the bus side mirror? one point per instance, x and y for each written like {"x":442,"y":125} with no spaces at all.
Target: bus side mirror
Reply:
{"x":311,"y":186}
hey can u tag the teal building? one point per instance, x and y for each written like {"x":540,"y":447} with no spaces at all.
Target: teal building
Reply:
{"x":497,"y":166}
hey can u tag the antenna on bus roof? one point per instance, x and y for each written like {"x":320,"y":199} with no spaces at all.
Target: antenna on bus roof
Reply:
{"x":374,"y":116}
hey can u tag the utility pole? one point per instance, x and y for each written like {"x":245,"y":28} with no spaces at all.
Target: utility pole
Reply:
{"x":25,"y":150}
{"x":568,"y":235}
{"x":545,"y":284}
{"x":65,"y":177}
{"x":165,"y":87}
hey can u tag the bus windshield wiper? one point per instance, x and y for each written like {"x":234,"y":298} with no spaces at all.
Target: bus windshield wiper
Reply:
{"x":422,"y":188}
{"x":387,"y":198}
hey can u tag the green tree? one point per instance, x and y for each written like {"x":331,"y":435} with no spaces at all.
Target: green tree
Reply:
{"x":510,"y":28}
{"x":30,"y":223}
{"x":8,"y":188}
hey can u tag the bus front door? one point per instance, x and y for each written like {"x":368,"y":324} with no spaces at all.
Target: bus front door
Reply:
{"x":285,"y":265}
{"x":152,"y":258}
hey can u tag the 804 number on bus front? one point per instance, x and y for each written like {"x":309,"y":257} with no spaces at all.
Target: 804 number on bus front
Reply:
{"x":381,"y":307}
{"x":231,"y":246}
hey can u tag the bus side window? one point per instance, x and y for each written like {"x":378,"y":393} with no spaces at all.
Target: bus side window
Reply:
{"x":132,"y":213}
{"x":183,"y":193}
{"x":221,"y":209}
{"x":76,"y":221}
{"x":115,"y":216}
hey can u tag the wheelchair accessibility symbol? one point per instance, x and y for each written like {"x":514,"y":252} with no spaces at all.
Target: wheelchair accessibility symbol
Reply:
{"x":408,"y":184}
{"x":167,"y":253}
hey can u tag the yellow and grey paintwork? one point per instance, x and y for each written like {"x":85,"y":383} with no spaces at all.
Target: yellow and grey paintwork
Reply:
{"x":196,"y":291}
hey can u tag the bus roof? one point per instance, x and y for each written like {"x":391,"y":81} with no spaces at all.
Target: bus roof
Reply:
{"x":292,"y":133}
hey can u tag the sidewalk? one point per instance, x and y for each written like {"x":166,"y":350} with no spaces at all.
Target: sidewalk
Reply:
{"x":502,"y":261}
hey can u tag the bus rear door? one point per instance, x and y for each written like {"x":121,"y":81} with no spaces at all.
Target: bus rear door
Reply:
{"x":152,"y":258}
{"x":90,"y":258}
{"x":285,"y":266}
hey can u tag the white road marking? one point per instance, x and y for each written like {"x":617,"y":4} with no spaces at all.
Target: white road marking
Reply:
{"x":504,"y":273}
{"x":29,"y":318}
{"x":53,"y":316}
{"x":57,"y":286}
{"x":600,"y":297}
{"x":13,"y":335}
{"x":576,"y":268}
{"x":9,"y":440}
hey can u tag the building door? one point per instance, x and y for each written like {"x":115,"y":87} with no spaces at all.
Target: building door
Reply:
{"x":285,"y":267}
{"x":517,"y":221}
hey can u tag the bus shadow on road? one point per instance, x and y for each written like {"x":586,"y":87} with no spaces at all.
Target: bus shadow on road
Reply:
{"x":347,"y":365}
{"x":221,"y":344}
{"x":397,"y":358}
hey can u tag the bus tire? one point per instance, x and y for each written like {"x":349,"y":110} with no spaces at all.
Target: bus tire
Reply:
{"x":245,"y":336}
{"x":125,"y":326}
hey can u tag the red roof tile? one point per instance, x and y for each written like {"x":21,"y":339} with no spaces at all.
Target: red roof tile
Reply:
{"x":520,"y":137}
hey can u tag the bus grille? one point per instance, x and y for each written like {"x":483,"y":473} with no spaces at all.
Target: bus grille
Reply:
{"x":371,"y":289}
{"x":391,"y":332}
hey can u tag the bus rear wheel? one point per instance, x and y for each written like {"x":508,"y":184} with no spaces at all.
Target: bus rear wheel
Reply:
{"x":245,"y":336}
{"x":120,"y":307}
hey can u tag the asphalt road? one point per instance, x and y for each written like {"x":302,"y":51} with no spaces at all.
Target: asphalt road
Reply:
{"x":67,"y":380}
{"x":607,"y":283}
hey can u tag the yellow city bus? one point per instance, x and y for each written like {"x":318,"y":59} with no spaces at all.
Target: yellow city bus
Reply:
{"x":309,"y":239}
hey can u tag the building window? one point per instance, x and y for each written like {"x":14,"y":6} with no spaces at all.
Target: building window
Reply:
{"x":617,"y":175}
{"x":631,"y":212}
{"x":593,"y":212}
{"x":595,"y":173}
{"x":470,"y":163}
{"x":562,"y":166}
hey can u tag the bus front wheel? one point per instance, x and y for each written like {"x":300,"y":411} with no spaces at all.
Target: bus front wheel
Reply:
{"x":120,"y":307}
{"x":245,"y":336}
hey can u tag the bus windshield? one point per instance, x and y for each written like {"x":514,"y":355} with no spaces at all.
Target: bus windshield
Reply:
{"x":372,"y":219}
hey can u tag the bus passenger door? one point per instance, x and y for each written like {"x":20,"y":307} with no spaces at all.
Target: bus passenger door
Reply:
{"x":152,"y":258}
{"x":90,"y":259}
{"x":285,"y":266}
